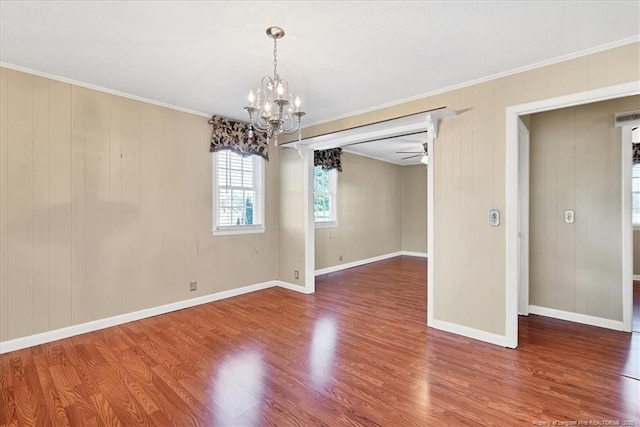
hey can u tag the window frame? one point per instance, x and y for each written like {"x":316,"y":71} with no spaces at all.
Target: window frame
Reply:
{"x":333,"y":194}
{"x":259,"y":165}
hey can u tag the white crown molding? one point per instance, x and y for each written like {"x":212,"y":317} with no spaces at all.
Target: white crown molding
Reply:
{"x":540,"y":64}
{"x":558,"y":59}
{"x":100,"y":89}
{"x":576,"y":317}
{"x":83,"y":328}
{"x":468,"y":332}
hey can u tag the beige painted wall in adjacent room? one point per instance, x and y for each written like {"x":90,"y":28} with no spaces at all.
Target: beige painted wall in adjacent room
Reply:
{"x":469,"y":162}
{"x":369,"y":213}
{"x":575,"y":164}
{"x":414,"y":208}
{"x":636,"y":252}
{"x":291,"y":219}
{"x":106,"y":208}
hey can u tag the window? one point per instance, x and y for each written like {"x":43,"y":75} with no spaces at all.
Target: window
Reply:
{"x":238,"y":193}
{"x":635,"y":198}
{"x":325,"y":184}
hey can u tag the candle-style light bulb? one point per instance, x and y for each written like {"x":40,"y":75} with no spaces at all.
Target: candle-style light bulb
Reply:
{"x":297,"y":103}
{"x":280,"y":90}
{"x":252,"y":98}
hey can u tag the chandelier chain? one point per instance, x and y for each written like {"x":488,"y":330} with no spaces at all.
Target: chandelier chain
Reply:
{"x":275,"y":58}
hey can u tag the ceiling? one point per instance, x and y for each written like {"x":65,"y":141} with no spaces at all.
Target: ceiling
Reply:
{"x":340,"y":57}
{"x":388,"y":149}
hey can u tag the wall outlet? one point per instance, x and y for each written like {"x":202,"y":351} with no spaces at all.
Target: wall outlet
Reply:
{"x":193,"y":286}
{"x":494,"y":217}
{"x":569,"y":216}
{"x":341,"y":257}
{"x":296,"y":274}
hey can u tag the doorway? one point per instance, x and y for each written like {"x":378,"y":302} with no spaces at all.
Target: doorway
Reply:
{"x":516,"y":263}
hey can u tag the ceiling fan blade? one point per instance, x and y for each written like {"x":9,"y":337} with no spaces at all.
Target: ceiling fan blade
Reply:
{"x":411,"y":157}
{"x":408,"y":152}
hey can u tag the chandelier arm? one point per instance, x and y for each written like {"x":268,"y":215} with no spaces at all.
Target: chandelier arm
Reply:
{"x":295,"y":127}
{"x":290,"y":125}
{"x":261,"y":126}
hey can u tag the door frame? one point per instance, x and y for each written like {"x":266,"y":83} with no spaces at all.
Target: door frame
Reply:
{"x":627,"y":230}
{"x":512,"y":195}
{"x":523,"y":219}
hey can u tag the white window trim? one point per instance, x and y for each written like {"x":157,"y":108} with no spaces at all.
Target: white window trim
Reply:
{"x":247,"y":229}
{"x":234,"y":230}
{"x":333,"y":222}
{"x":326,"y":224}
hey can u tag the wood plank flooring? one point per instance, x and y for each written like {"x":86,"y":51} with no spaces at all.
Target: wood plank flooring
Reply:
{"x":355,"y":353}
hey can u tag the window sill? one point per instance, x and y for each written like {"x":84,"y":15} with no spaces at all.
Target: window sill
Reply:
{"x":237,"y":231}
{"x":327,"y":224}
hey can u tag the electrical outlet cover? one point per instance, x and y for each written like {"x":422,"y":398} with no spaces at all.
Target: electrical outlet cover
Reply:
{"x":569,"y":216}
{"x":494,"y":217}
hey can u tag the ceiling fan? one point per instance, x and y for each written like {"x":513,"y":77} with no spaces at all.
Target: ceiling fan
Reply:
{"x":423,"y":153}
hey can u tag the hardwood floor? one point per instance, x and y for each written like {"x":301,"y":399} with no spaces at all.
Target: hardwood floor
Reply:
{"x":355,"y":353}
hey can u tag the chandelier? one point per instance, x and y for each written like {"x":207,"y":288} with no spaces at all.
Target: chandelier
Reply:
{"x":273,"y":109}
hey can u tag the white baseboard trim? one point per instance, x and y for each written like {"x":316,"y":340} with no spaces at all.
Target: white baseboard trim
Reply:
{"x":358,"y":263}
{"x":417,"y":254}
{"x":577,"y":317}
{"x":636,"y":277}
{"x":468,"y":332}
{"x":292,"y":287}
{"x":95,"y":325}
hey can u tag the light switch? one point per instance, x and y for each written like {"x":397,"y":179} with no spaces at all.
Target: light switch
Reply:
{"x":494,"y":217}
{"x":569,"y":216}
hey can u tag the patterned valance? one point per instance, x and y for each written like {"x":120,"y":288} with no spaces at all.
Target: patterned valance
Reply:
{"x":228,"y":134}
{"x":636,"y":153}
{"x":328,"y":159}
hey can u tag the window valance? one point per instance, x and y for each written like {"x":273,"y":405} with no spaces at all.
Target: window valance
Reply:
{"x":328,"y":159}
{"x":636,"y":153}
{"x":231,"y":135}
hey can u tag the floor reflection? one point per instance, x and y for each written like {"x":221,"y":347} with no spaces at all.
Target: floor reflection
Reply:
{"x":323,"y":348}
{"x":238,"y":389}
{"x":632,"y":364}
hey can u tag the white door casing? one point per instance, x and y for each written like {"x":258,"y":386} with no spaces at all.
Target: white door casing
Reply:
{"x":513,"y":195}
{"x":523,"y":218}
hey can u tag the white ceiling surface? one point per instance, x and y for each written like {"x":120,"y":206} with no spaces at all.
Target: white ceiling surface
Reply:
{"x":340,"y":57}
{"x":387,"y":150}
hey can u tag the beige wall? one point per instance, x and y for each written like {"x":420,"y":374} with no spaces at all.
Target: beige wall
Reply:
{"x":369,"y":213}
{"x":575,"y":164}
{"x":86,"y":235}
{"x":414,"y":208}
{"x":106,"y":208}
{"x":469,"y":163}
{"x":291,"y":217}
